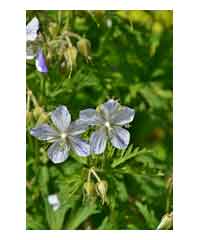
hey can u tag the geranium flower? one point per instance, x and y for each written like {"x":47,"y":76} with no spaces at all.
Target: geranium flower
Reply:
{"x":32,"y":50}
{"x":109,"y":119}
{"x":65,"y":136}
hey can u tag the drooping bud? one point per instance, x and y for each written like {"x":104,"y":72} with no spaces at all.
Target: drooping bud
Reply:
{"x":102,"y":188}
{"x":89,"y":188}
{"x":70,"y":55}
{"x":166,"y":222}
{"x":84,"y":47}
{"x":53,"y":28}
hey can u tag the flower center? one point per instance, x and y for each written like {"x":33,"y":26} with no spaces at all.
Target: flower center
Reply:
{"x":107,"y":124}
{"x":63,"y":136}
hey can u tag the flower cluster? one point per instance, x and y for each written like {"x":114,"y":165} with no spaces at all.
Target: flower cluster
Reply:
{"x":32,"y":51}
{"x":65,"y":135}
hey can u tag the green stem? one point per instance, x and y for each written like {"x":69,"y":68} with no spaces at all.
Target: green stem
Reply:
{"x":94,"y":173}
{"x":68,"y":41}
{"x":28,"y":102}
{"x":72,"y":34}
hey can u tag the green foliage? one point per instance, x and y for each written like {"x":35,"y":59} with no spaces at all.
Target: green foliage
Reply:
{"x":79,"y":215}
{"x":122,"y":54}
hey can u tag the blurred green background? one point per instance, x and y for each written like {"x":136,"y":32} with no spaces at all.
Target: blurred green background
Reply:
{"x":126,"y":55}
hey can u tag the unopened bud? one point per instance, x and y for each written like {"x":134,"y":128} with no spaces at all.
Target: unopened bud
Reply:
{"x":157,"y":27}
{"x":70,"y":56}
{"x":102,"y":187}
{"x":53,"y":28}
{"x":42,"y":118}
{"x":37,"y":112}
{"x":166,"y":222}
{"x":29,"y":93}
{"x":89,"y":188}
{"x":84,"y":47}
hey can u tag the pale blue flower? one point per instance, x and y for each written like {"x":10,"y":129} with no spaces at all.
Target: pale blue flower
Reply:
{"x":31,"y":29}
{"x":40,"y":62}
{"x":65,"y":136}
{"x":108,"y":119}
{"x":31,"y":35}
{"x":32,"y":50}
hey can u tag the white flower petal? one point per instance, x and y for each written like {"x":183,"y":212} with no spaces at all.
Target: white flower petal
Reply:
{"x":44,"y":132}
{"x":77,"y":127}
{"x":61,"y":118}
{"x":79,"y":146}
{"x":123,"y":116}
{"x":58,"y":152}
{"x":90,"y":116}
{"x":54,"y":201}
{"x":98,"y":141}
{"x":119,"y":137}
{"x":31,"y":29}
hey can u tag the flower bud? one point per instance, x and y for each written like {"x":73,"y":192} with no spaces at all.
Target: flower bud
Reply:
{"x":157,"y":28}
{"x":84,"y":47}
{"x":101,"y":188}
{"x":89,"y":188}
{"x":70,"y":55}
{"x":166,"y":222}
{"x":37,"y":112}
{"x":53,"y":28}
{"x":43,"y":118}
{"x":29,"y":93}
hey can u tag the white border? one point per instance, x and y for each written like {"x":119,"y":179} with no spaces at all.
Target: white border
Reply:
{"x":186,"y":119}
{"x":101,"y":4}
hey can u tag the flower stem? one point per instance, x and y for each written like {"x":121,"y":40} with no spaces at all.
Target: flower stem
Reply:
{"x":95,"y":174}
{"x":68,"y":41}
{"x":72,"y":34}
